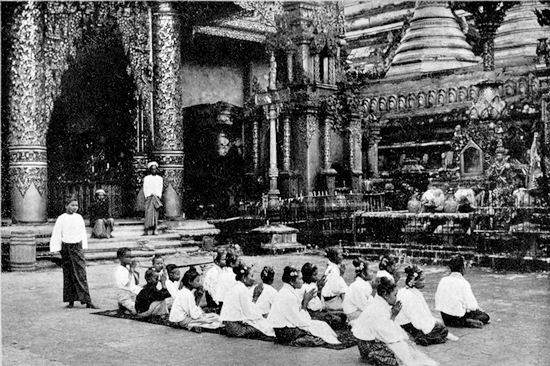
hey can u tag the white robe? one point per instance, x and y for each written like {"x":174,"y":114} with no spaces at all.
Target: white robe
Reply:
{"x":287,"y":311}
{"x":375,"y":323}
{"x":415,"y":310}
{"x":454,"y":295}
{"x":358,"y":297}
{"x":68,"y":228}
{"x":266,"y":299}
{"x":225,"y":283}
{"x":238,"y":307}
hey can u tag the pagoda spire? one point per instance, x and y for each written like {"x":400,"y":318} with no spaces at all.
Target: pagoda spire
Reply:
{"x":434,"y":41}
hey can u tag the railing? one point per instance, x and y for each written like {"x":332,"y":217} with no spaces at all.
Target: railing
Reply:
{"x":85,"y":194}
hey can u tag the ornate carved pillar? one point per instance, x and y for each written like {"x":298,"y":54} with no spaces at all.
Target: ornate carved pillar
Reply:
{"x":306,"y":153}
{"x":328,"y":173}
{"x":168,"y":118}
{"x":28,"y":117}
{"x":255,"y":145}
{"x":290,"y":66}
{"x":286,"y":176}
{"x":373,"y":149}
{"x":316,"y":67}
{"x":355,"y":153}
{"x":545,"y":144}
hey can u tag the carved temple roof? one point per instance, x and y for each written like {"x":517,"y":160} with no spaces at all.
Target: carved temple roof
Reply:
{"x":516,"y":39}
{"x":433,"y":42}
{"x":252,"y":28}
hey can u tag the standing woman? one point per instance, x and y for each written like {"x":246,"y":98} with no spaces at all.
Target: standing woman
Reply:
{"x":152,"y":190}
{"x":69,"y":237}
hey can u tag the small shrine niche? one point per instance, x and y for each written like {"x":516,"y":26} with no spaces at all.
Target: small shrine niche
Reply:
{"x":471,"y":160}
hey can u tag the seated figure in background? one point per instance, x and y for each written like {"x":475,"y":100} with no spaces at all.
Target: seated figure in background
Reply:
{"x":101,"y":219}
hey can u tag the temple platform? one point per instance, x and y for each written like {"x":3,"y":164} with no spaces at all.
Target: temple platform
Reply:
{"x":126,"y":233}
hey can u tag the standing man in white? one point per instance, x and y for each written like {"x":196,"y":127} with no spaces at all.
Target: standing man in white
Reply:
{"x":152,"y":190}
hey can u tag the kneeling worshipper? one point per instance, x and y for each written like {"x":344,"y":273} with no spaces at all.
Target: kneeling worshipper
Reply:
{"x":150,"y":300}
{"x":226,"y":280}
{"x":415,"y":315}
{"x":310,"y":276}
{"x":101,"y":220}
{"x":185,"y":312}
{"x":359,"y":293}
{"x":335,"y":287}
{"x":387,"y":268}
{"x":456,"y":301}
{"x":240,"y":315}
{"x":126,"y":280}
{"x":268,"y":293}
{"x":381,"y":341}
{"x":290,"y":319}
{"x":212,"y":277}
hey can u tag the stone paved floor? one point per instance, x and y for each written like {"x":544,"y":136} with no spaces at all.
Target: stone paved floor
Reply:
{"x":37,"y":330}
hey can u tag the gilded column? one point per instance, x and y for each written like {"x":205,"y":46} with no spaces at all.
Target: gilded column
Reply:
{"x":255,"y":145}
{"x":28,"y":117}
{"x":355,"y":155}
{"x":328,"y":172}
{"x":290,"y":66}
{"x":373,"y":149}
{"x":168,"y":117}
{"x":285,"y":176}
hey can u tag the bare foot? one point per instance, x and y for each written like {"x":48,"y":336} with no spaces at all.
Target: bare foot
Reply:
{"x":91,"y":306}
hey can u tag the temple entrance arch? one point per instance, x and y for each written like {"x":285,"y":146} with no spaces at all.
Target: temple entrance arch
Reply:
{"x":91,"y":136}
{"x":214,"y":159}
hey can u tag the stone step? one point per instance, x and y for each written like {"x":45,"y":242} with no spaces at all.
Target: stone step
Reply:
{"x":415,"y":246}
{"x":94,"y":256}
{"x":426,"y":255}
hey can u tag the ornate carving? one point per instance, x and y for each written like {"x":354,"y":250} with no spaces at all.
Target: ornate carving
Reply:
{"x":392,"y":103}
{"x":23,"y":176}
{"x":174,"y":177}
{"x":307,"y":127}
{"x":26,"y":104}
{"x":170,"y":158}
{"x":255,"y":145}
{"x":27,"y":154}
{"x":286,"y":143}
{"x":167,"y":61}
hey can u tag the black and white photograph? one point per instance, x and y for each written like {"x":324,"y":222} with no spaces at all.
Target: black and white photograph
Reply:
{"x":356,"y":182}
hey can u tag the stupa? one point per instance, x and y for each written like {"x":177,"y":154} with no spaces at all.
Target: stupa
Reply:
{"x":434,"y":41}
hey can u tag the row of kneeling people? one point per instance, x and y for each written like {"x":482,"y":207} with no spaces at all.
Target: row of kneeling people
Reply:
{"x":308,"y":306}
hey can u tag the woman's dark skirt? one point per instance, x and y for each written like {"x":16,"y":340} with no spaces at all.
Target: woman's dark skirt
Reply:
{"x":436,"y":336}
{"x":336,"y":319}
{"x":462,"y":322}
{"x":75,"y":282}
{"x":243,"y":330}
{"x":376,"y":353}
{"x":297,"y":337}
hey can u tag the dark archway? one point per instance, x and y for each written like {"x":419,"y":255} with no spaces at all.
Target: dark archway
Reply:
{"x":91,"y":136}
{"x":214,"y":161}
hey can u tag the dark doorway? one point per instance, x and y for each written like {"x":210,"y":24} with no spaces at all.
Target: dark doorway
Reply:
{"x":214,"y":164}
{"x":91,"y":135}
